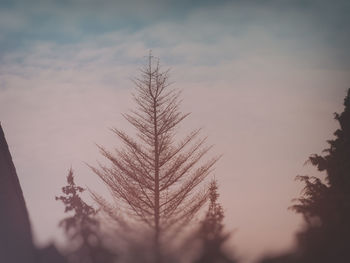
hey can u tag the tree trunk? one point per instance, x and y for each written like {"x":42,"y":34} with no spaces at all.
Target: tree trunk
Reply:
{"x":156,"y":180}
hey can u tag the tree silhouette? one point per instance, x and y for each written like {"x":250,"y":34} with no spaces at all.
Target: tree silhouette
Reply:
{"x":82,"y":227}
{"x":326,"y":205}
{"x":211,"y":232}
{"x":153,"y":177}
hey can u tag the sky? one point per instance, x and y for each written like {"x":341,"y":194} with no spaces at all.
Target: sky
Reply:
{"x":263,"y":79}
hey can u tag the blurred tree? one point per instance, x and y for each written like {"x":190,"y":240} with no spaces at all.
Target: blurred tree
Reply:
{"x":152,"y":177}
{"x":211,"y":232}
{"x":82,"y":227}
{"x":325,"y":205}
{"x":286,"y":258}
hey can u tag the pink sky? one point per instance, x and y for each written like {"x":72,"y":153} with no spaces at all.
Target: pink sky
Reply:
{"x":264,"y":100}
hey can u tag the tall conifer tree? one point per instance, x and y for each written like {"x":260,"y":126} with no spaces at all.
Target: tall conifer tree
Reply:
{"x":153,"y":177}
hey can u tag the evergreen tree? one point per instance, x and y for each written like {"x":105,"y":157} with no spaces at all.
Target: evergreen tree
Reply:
{"x":153,"y":179}
{"x":81,"y":226}
{"x":325,"y":205}
{"x":211,"y":232}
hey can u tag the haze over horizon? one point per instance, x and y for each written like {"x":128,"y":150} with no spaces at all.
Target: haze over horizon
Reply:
{"x":262,"y":78}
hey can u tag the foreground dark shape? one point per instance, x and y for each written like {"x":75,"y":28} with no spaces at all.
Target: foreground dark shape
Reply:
{"x":16,"y":242}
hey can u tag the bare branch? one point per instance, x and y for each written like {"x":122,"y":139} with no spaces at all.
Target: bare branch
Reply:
{"x":151,"y":175}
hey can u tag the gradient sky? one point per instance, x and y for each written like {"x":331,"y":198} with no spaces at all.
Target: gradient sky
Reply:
{"x":262,"y":78}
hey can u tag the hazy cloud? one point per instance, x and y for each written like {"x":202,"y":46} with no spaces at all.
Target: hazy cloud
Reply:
{"x":263,"y":78}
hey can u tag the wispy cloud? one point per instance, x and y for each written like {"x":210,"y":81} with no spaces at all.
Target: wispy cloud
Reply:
{"x":263,"y":80}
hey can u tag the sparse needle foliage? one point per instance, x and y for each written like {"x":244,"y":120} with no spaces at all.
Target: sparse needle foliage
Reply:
{"x":152,"y":175}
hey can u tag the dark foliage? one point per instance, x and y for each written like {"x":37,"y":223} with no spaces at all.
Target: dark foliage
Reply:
{"x":288,"y":258}
{"x":50,"y":254}
{"x":326,"y":205}
{"x":82,"y":227}
{"x":211,"y":232}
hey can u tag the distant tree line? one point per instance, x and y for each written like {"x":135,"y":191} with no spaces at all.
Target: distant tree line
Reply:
{"x":156,"y":183}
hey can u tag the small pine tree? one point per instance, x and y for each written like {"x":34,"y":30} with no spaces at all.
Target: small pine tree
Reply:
{"x":211,"y":232}
{"x":326,"y":206}
{"x":81,"y":226}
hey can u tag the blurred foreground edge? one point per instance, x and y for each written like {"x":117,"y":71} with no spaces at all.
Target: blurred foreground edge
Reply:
{"x":16,"y":241}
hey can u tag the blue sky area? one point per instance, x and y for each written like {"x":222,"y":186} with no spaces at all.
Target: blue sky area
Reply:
{"x":262,"y":78}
